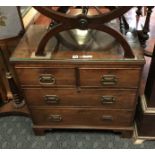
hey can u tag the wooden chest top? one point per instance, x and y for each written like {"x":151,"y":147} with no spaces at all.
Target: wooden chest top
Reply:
{"x":100,"y":49}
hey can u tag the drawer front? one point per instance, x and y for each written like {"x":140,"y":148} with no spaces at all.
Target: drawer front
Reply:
{"x":46,"y":76}
{"x":113,"y":98}
{"x":127,"y":78}
{"x":81,"y":117}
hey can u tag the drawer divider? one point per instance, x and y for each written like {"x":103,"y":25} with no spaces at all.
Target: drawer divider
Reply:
{"x":77,"y":77}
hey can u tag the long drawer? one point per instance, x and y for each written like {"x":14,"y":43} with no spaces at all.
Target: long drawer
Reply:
{"x":103,"y":77}
{"x":81,"y":117}
{"x":107,"y":98}
{"x":46,"y":76}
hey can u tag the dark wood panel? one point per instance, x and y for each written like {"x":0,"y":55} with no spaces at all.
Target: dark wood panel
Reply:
{"x":81,"y":117}
{"x":107,"y":98}
{"x":114,"y":77}
{"x":145,"y":122}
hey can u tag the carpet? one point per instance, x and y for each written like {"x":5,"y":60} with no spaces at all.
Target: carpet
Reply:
{"x":16,"y":133}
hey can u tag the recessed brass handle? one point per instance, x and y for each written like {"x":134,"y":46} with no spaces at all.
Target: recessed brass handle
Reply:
{"x":107,"y":118}
{"x":55,"y":118}
{"x":47,"y":79}
{"x":51,"y":99}
{"x":108,"y":80}
{"x":108,"y":100}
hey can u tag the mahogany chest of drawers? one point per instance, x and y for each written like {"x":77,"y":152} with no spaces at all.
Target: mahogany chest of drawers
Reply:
{"x":78,"y":90}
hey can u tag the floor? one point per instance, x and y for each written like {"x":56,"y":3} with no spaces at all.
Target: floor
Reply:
{"x":16,"y":132}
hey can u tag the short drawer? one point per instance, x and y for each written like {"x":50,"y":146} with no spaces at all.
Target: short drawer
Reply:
{"x":102,"y":77}
{"x":81,"y":117}
{"x":107,"y":98}
{"x":46,"y":76}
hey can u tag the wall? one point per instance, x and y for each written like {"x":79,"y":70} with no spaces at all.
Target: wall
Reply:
{"x":10,"y":24}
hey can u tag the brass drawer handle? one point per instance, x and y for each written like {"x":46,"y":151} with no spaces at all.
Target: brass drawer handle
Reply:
{"x":108,"y":80}
{"x":55,"y":118}
{"x":107,"y":118}
{"x":108,"y":100}
{"x":51,"y":99}
{"x":47,"y":79}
